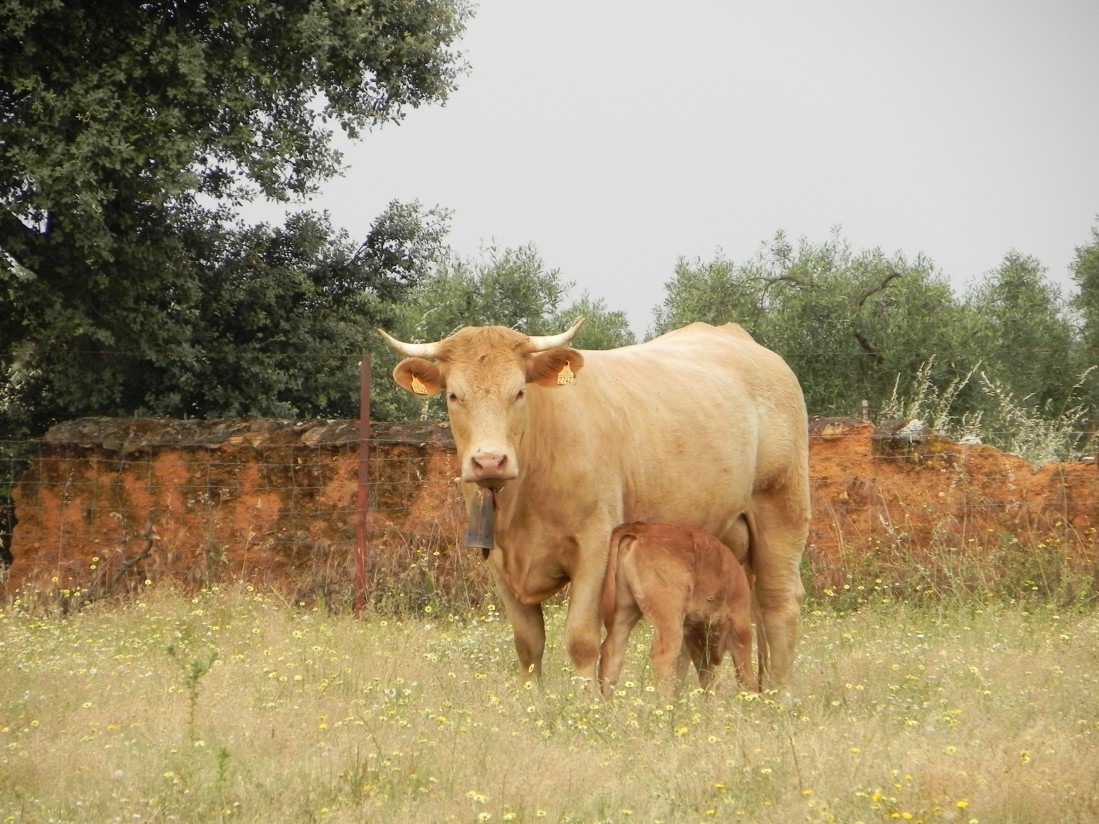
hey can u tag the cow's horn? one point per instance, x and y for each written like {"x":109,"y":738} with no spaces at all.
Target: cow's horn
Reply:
{"x":411,"y":350}
{"x":540,"y":343}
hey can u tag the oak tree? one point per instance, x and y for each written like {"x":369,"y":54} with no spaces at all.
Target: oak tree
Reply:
{"x":130,"y":132}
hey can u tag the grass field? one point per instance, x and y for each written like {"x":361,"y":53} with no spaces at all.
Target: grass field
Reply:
{"x":232,"y":705}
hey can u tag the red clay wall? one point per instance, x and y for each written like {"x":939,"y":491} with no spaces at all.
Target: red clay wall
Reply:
{"x":110,"y":503}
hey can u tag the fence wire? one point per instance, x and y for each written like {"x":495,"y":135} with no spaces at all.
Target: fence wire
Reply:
{"x":90,"y":512}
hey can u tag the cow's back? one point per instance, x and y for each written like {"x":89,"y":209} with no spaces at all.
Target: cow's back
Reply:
{"x":682,"y":428}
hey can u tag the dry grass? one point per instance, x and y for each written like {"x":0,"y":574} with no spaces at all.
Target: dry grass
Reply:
{"x":235,"y":706}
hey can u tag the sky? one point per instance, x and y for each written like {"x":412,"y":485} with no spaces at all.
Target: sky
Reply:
{"x":618,"y":137}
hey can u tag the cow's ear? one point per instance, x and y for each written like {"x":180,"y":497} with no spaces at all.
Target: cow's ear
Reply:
{"x":556,"y":367}
{"x":420,"y":377}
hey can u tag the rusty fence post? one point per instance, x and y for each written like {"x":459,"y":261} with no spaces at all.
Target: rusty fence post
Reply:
{"x":1093,"y":419}
{"x":362,"y":508}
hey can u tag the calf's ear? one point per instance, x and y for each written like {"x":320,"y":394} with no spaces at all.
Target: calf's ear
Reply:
{"x":556,"y":367}
{"x":420,"y":377}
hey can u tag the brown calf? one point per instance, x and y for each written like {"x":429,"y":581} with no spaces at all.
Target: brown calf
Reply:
{"x":693,"y":590}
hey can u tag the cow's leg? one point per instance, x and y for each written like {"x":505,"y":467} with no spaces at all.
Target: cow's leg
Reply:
{"x":582,"y":634}
{"x":583,"y":624}
{"x":781,"y":524}
{"x":528,"y":626}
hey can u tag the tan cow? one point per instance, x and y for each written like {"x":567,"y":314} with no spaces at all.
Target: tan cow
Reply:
{"x":697,"y":427}
{"x":692,"y":589}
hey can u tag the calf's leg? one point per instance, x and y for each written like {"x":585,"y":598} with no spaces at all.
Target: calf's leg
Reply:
{"x":613,"y":651}
{"x":740,"y":635}
{"x":667,"y":647}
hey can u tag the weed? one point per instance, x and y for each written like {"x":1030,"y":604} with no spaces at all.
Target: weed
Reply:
{"x":1039,"y":433}
{"x":193,"y":671}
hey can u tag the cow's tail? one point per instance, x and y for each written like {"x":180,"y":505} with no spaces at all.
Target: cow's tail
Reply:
{"x":763,"y":652}
{"x":621,"y":540}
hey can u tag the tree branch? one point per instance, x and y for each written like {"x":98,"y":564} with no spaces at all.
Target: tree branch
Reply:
{"x":20,"y":242}
{"x":868,"y":346}
{"x":865,"y":342}
{"x":150,"y":540}
{"x":772,"y":281}
{"x":873,"y":290}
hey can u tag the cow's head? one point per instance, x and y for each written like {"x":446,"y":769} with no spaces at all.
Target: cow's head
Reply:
{"x":485,"y":371}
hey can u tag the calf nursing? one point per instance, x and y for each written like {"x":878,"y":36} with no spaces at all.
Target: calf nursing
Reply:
{"x":692,"y":589}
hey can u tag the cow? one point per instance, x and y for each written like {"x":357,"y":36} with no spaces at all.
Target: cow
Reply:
{"x":695,"y":594}
{"x":697,"y":426}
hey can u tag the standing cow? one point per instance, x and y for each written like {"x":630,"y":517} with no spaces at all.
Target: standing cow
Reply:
{"x":695,"y":594}
{"x":697,"y":427}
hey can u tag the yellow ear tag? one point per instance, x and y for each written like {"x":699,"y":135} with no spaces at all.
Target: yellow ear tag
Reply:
{"x":566,"y":375}
{"x":418,"y":387}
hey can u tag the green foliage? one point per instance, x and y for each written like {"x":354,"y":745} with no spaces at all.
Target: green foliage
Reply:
{"x":239,"y":321}
{"x":509,"y":287}
{"x":120,"y":125}
{"x":715,"y":292}
{"x":1041,"y":433}
{"x":603,"y":328}
{"x":856,"y":326}
{"x":136,"y":103}
{"x":130,"y":132}
{"x":1018,"y":322}
{"x":935,"y":405}
{"x":847,"y":323}
{"x":1085,"y":272}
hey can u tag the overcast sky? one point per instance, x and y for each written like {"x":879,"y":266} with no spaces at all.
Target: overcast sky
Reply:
{"x":619,"y":136}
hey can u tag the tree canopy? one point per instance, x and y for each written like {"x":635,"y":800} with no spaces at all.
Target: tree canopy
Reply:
{"x":129,"y":133}
{"x":848,"y":323}
{"x":1085,"y":272}
{"x":1019,"y":324}
{"x":132,"y":132}
{"x":859,"y":326}
{"x":137,"y":103}
{"x":504,"y":287}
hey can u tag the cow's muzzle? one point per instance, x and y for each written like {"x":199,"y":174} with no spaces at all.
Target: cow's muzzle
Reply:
{"x":490,"y":469}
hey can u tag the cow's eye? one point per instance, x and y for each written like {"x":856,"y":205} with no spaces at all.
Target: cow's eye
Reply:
{"x":522,"y":393}
{"x":452,"y":397}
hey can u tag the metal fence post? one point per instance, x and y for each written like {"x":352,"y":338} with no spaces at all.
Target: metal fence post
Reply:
{"x":363,"y":505}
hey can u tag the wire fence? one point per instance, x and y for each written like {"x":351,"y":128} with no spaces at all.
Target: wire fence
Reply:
{"x":109,"y":506}
{"x":105,"y":505}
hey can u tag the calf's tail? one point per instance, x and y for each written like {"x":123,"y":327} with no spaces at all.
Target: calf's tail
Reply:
{"x":621,"y":540}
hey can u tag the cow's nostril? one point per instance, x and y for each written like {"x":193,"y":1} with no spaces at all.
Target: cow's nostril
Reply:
{"x":489,"y":464}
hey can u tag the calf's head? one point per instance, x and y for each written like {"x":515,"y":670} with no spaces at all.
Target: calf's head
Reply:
{"x":486,"y":372}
